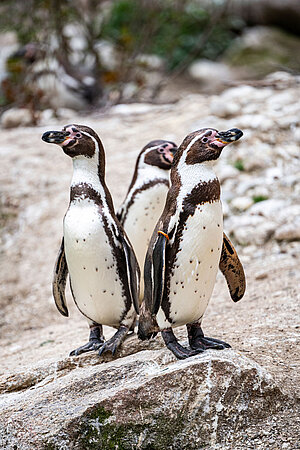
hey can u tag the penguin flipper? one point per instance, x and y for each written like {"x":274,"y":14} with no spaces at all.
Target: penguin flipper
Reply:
{"x":158,"y":274}
{"x":232,"y":269}
{"x":59,"y":281}
{"x":133,"y":272}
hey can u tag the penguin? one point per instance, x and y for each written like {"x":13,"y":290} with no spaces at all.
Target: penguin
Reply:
{"x":187,"y":248}
{"x":146,"y":196}
{"x":95,"y":251}
{"x":144,"y":205}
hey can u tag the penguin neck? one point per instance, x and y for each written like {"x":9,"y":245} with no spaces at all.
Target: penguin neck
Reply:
{"x":147,"y":173}
{"x":88,"y":176}
{"x":192,"y":174}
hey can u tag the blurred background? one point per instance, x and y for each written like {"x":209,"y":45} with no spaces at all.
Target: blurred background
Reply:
{"x":90,"y":54}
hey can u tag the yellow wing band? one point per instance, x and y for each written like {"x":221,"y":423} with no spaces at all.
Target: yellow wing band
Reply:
{"x":164,"y":234}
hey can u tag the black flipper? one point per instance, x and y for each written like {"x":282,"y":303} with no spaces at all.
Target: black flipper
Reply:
{"x":159,"y":265}
{"x":59,"y":281}
{"x":232,"y":269}
{"x":133,"y":272}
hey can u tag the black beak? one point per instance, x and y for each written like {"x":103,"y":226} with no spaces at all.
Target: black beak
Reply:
{"x":55,"y":137}
{"x":174,"y":150}
{"x":229,"y":136}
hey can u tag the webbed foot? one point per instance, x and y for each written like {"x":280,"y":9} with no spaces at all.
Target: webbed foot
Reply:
{"x":96,"y":340}
{"x":112,"y":345}
{"x":177,"y":349}
{"x":198,"y":341}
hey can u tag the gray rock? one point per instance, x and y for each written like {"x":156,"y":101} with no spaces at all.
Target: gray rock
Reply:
{"x":288,"y":232}
{"x":16,"y":117}
{"x":210,"y":73}
{"x":241,"y":203}
{"x":144,"y":400}
{"x":270,"y":209}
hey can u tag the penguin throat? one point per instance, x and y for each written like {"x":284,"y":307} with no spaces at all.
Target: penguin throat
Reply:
{"x":87,"y":170}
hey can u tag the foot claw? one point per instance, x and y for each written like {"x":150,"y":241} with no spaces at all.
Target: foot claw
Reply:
{"x":89,"y":347}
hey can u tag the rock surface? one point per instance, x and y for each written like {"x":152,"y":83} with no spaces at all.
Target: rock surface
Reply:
{"x":145,"y":400}
{"x":47,"y":397}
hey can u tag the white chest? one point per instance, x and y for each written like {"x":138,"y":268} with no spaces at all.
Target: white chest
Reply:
{"x":96,"y":285}
{"x":141,"y":220}
{"x":196,"y":266}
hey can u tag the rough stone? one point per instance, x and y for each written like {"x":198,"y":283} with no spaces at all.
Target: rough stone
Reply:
{"x":16,"y":117}
{"x":241,"y":203}
{"x":145,"y":400}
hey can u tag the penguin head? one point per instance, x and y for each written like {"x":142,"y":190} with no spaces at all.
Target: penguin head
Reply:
{"x":205,"y":145}
{"x":75,"y":140}
{"x":158,"y":153}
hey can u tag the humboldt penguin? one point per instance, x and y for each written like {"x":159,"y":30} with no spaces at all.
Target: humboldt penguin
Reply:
{"x":144,"y":204}
{"x":146,"y":196}
{"x":95,"y":251}
{"x":187,"y":247}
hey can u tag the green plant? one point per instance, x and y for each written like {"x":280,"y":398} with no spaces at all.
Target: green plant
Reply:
{"x":259,"y":198}
{"x":239,"y":164}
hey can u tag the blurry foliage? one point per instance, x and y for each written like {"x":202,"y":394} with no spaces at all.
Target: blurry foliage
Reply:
{"x":168,"y":29}
{"x":178,"y":31}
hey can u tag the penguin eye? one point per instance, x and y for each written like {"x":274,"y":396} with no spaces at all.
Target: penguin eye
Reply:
{"x":205,"y":139}
{"x":160,"y":150}
{"x":78,"y":135}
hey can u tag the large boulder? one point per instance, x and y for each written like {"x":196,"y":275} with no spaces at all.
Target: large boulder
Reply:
{"x":145,"y":400}
{"x":262,"y":50}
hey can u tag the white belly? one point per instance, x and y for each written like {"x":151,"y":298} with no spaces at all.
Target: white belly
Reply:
{"x":141,"y":220}
{"x":93,"y":271}
{"x":196,"y":266}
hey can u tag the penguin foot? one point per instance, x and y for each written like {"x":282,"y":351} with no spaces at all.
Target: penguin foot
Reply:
{"x":178,"y":350}
{"x":198,"y":341}
{"x":96,"y":340}
{"x":112,"y":345}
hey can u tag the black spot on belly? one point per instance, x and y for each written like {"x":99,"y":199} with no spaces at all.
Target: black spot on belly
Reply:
{"x":175,"y":292}
{"x":77,"y":241}
{"x":211,"y":249}
{"x":84,"y":268}
{"x":204,"y":228}
{"x":112,"y":293}
{"x":104,"y":291}
{"x":96,"y":269}
{"x":83,"y":240}
{"x":196,"y":291}
{"x":191,"y":261}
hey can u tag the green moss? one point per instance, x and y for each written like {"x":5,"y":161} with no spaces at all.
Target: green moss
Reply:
{"x":99,"y":430}
{"x":238,"y":164}
{"x":259,"y":198}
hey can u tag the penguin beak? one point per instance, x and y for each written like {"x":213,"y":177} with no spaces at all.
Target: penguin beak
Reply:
{"x":173,"y":150}
{"x":229,"y":136}
{"x":55,"y":137}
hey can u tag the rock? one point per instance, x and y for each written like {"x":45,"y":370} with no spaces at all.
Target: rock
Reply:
{"x":151,"y":62}
{"x":16,"y":117}
{"x":288,"y":232}
{"x":144,"y":400}
{"x":226,"y":172}
{"x":107,"y":54}
{"x":251,"y":230}
{"x":211,"y":74}
{"x":241,"y":203}
{"x":261,"y":49}
{"x":268,"y":208}
{"x":223,"y":109}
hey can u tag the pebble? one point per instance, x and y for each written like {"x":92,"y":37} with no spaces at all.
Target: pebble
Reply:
{"x":241,"y":203}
